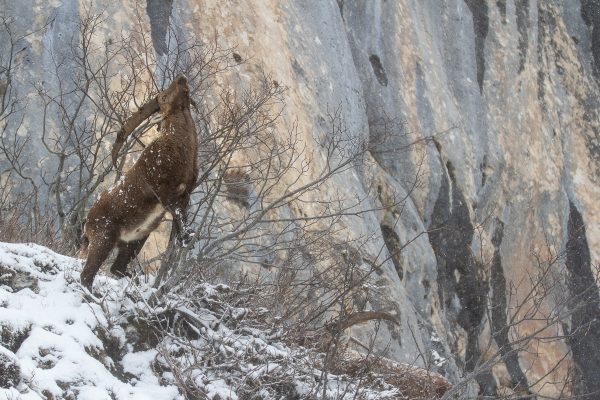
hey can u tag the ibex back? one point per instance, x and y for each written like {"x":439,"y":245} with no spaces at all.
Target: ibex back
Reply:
{"x":160,"y":181}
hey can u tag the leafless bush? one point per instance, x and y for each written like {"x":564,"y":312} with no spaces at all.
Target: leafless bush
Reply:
{"x":22,"y":218}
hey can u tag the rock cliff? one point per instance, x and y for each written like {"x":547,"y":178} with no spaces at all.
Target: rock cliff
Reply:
{"x":492,"y":135}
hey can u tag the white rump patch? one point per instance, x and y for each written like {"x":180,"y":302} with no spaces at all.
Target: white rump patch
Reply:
{"x":129,"y":234}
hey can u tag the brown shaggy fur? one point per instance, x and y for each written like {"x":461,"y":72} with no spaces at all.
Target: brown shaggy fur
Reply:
{"x":161,"y":180}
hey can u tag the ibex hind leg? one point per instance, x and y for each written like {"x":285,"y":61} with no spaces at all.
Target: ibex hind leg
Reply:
{"x":98,"y":250}
{"x":127,"y":252}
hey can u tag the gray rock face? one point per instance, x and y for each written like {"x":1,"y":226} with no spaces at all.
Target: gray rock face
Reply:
{"x":491,"y":135}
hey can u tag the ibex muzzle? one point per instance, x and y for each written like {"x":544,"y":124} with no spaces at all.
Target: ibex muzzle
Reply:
{"x":161,"y":180}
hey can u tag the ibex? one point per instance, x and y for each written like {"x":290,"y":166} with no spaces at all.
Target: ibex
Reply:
{"x":161,"y":180}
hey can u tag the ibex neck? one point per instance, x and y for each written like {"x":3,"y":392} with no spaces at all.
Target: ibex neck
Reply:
{"x":180,"y":123}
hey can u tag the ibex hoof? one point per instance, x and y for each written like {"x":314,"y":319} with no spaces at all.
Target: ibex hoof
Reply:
{"x":87,"y":292}
{"x":120,"y":274}
{"x":86,"y":282}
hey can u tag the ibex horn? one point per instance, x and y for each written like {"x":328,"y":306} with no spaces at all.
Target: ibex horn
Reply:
{"x":133,"y":122}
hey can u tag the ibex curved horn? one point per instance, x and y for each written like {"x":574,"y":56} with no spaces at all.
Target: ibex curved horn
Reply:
{"x":133,"y":122}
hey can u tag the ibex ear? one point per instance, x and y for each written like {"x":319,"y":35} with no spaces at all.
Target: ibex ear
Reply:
{"x":133,"y":122}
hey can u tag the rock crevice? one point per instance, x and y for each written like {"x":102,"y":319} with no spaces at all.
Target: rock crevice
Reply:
{"x":584,"y":334}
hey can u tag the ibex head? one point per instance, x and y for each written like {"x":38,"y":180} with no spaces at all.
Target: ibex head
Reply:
{"x":173,"y":99}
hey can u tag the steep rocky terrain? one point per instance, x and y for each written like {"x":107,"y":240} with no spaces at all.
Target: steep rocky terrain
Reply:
{"x":483,"y":114}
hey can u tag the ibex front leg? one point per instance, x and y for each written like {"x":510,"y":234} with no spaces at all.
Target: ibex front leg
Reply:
{"x":179,"y":228}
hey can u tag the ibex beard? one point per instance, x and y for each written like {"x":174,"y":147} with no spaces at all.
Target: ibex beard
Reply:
{"x":160,"y":181}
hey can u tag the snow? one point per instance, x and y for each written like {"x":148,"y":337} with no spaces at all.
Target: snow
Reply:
{"x":220,"y":388}
{"x":61,"y":333}
{"x":137,"y":364}
{"x":438,"y":360}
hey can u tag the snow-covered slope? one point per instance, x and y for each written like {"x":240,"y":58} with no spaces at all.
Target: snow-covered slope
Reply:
{"x":52,"y":333}
{"x":60,"y":342}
